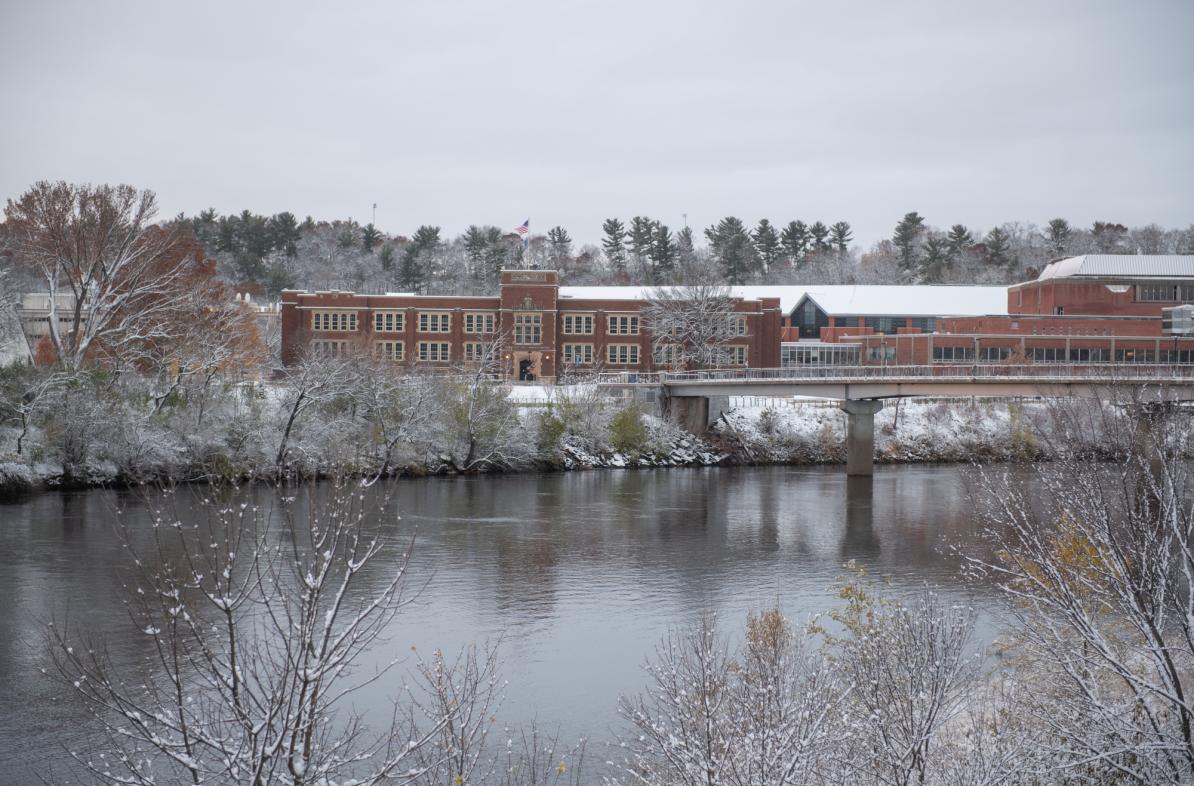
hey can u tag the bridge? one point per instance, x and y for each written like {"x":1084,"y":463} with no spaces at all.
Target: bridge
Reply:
{"x":696,"y":399}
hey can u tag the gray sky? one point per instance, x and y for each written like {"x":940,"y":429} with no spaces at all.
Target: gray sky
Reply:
{"x":452,"y":113}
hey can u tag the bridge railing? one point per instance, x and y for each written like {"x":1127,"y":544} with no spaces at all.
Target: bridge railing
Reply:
{"x":1052,"y":371}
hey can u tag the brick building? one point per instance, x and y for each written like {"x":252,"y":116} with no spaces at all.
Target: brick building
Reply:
{"x":533,"y":326}
{"x":1085,"y":309}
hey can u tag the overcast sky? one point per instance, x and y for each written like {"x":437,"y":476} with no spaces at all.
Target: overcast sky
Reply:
{"x":451,"y":113}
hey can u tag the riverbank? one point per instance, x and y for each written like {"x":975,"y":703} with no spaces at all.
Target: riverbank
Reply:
{"x":567,"y":435}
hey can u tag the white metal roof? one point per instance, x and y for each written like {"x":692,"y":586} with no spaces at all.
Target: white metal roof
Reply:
{"x":1122,"y":266}
{"x":848,"y":300}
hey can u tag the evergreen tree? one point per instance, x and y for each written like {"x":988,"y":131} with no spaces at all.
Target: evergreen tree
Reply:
{"x":412,"y":274}
{"x":284,"y":233}
{"x":907,"y":242}
{"x":497,"y":253}
{"x":663,"y":256}
{"x":937,"y":259}
{"x":370,"y":237}
{"x":386,"y":257}
{"x":685,"y":248}
{"x":959,"y":240}
{"x":347,"y":239}
{"x":475,"y":245}
{"x":998,"y":245}
{"x":840,"y":234}
{"x":795,"y":239}
{"x":820,"y":234}
{"x":639,"y":240}
{"x":766,"y":240}
{"x":560,"y":245}
{"x":731,"y":247}
{"x":614,"y":244}
{"x":1058,"y":235}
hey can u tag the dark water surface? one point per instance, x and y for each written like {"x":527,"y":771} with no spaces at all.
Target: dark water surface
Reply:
{"x":582,"y":573}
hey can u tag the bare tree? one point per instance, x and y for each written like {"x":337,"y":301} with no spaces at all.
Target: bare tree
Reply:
{"x":115,"y":280}
{"x":255,"y":634}
{"x":691,"y":327}
{"x":762,"y":716}
{"x":1097,"y":561}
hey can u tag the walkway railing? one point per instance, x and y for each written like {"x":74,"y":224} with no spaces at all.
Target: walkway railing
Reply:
{"x":1108,"y":372}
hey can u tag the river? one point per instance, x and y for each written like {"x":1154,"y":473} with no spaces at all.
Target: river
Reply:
{"x":581,"y":573}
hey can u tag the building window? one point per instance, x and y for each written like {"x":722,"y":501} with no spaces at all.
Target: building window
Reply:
{"x":334,"y":320}
{"x":479,"y":323}
{"x":736,"y":355}
{"x":329,"y":349}
{"x":578,"y":324}
{"x":434,"y":350}
{"x":667,"y":354}
{"x":1163,"y":293}
{"x":622,"y":354}
{"x":578,"y":354}
{"x":947,"y":354}
{"x":738,"y":326}
{"x":391,"y":350}
{"x":435,"y":322}
{"x":623,"y":326}
{"x":474,"y":351}
{"x":528,"y":328}
{"x":389,"y":321}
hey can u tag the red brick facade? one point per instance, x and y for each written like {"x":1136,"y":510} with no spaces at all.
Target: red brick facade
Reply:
{"x":535,"y":330}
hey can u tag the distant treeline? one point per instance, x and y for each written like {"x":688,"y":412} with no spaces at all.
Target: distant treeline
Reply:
{"x":270,"y":253}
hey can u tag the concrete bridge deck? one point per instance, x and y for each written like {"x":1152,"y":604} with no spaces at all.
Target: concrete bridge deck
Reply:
{"x":697,"y":398}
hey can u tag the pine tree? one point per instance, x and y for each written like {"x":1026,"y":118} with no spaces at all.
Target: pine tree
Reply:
{"x":560,"y":244}
{"x":1058,"y":235}
{"x":475,"y":245}
{"x":284,"y":233}
{"x":639,"y":240}
{"x":766,"y":240}
{"x":412,"y":274}
{"x":959,"y":240}
{"x":497,"y":253}
{"x":386,"y":257}
{"x":840,"y":234}
{"x":819,"y":233}
{"x":907,"y":243}
{"x":1109,"y":237}
{"x":370,"y":237}
{"x":663,"y":256}
{"x":730,"y":244}
{"x":998,"y":245}
{"x":347,"y":239}
{"x":937,"y":259}
{"x":685,"y":248}
{"x":795,"y":239}
{"x":614,"y":245}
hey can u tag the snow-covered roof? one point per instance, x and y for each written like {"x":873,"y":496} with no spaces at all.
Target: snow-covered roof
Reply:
{"x":848,"y":300}
{"x":1122,"y":266}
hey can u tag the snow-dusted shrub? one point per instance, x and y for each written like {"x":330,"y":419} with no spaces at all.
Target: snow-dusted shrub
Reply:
{"x":627,"y":431}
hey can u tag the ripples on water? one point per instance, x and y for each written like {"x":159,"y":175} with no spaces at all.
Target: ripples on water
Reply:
{"x":581,"y":573}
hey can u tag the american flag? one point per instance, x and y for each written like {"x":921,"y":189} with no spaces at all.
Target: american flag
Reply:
{"x":524,"y":229}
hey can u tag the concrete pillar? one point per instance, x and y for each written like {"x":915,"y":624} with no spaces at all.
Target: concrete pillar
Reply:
{"x":690,"y":413}
{"x":716,"y":405}
{"x":860,"y":435}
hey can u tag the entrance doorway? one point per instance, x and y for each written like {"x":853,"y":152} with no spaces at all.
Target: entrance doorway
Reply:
{"x":524,"y":371}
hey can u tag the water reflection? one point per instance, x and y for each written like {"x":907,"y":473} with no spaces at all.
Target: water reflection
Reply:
{"x":582,"y":573}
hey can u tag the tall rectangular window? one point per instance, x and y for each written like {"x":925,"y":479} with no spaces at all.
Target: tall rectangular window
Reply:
{"x":334,"y":320}
{"x":329,"y":349}
{"x":474,"y":351}
{"x":479,"y":323}
{"x":528,"y":328}
{"x":435,"y":322}
{"x":736,"y":355}
{"x":738,"y":326}
{"x":623,"y":326}
{"x":389,"y":321}
{"x":391,"y":350}
{"x":434,"y":351}
{"x":622,"y":354}
{"x":578,"y":354}
{"x":578,"y":324}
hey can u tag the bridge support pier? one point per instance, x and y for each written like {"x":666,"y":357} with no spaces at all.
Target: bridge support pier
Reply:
{"x":695,"y":414}
{"x":860,"y":435}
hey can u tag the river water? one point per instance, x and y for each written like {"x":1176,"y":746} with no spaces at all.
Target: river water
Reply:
{"x":581,"y":574}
